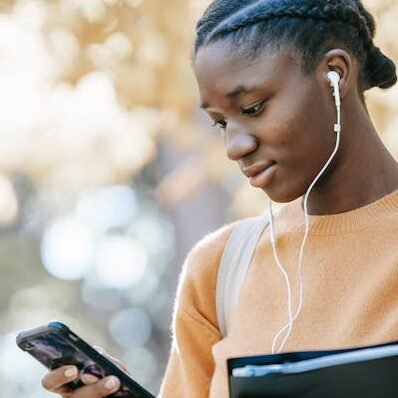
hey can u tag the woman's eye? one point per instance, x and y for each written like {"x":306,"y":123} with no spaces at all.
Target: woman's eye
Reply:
{"x":222,"y":124}
{"x":254,"y":110}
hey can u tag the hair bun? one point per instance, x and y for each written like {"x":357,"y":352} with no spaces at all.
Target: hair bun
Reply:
{"x":380,"y":70}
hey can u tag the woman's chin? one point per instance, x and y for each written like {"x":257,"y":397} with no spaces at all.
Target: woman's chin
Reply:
{"x":282,"y":195}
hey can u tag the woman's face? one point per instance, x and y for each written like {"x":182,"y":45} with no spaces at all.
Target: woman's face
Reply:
{"x":277,"y":122}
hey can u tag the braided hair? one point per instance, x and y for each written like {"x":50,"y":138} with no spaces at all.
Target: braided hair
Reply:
{"x":307,"y":27}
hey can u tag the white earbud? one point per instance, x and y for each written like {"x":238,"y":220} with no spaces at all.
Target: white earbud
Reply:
{"x":334,"y":78}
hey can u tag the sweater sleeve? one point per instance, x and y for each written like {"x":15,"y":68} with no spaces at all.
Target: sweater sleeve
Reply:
{"x":195,"y":328}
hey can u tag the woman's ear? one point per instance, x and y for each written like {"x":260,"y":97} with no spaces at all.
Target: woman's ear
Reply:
{"x":339,"y":61}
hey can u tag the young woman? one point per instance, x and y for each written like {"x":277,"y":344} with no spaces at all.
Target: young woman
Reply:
{"x":263,"y":71}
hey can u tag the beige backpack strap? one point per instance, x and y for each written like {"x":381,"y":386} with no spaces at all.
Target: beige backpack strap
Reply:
{"x":235,"y":261}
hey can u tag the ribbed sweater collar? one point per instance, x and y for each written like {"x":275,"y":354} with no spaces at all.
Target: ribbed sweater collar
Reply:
{"x":291,"y":217}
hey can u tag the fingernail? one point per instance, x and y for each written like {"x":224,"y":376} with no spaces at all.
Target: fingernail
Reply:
{"x":70,"y":372}
{"x":111,"y":383}
{"x":88,"y":379}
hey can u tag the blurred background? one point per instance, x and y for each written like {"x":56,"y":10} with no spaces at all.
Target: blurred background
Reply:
{"x":109,"y":173}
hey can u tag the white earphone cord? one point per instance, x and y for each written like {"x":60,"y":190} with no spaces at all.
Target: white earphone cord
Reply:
{"x":289,"y":325}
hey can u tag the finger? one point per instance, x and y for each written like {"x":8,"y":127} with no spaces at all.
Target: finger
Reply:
{"x":99,"y":349}
{"x":102,"y":388}
{"x":88,"y":378}
{"x":111,"y":358}
{"x":56,"y":379}
{"x":117,"y":363}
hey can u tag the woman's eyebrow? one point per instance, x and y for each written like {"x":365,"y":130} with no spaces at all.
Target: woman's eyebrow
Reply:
{"x":237,"y":91}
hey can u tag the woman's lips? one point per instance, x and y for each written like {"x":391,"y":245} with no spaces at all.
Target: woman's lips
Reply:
{"x":260,"y":176}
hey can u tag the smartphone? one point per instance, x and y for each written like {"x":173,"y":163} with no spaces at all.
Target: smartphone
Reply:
{"x":55,"y":345}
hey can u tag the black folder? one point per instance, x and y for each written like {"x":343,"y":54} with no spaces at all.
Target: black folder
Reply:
{"x":372,"y":378}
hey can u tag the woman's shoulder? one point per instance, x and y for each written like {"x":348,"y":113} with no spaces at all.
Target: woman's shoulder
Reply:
{"x":198,"y":279}
{"x":207,"y":252}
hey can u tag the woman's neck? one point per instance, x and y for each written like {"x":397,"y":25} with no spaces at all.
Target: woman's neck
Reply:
{"x":364,"y":172}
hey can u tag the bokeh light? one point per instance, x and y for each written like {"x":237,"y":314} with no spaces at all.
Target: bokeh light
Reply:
{"x":67,"y":249}
{"x":131,"y":327}
{"x":121,"y":262}
{"x":110,"y":207}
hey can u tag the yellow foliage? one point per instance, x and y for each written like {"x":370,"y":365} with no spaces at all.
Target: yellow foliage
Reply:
{"x":82,"y":68}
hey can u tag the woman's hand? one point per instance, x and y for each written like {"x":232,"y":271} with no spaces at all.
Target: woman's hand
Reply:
{"x":56,"y":380}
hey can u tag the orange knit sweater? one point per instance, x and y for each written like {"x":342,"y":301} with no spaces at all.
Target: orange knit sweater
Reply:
{"x":350,"y":277}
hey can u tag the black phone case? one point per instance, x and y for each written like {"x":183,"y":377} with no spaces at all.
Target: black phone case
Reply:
{"x":55,"y":345}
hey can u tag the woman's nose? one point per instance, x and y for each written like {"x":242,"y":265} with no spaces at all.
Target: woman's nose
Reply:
{"x":239,"y":142}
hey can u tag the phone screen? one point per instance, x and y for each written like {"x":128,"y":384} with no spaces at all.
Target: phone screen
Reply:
{"x":55,"y":347}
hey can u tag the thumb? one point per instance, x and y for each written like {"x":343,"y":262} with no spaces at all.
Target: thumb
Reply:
{"x":111,"y":358}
